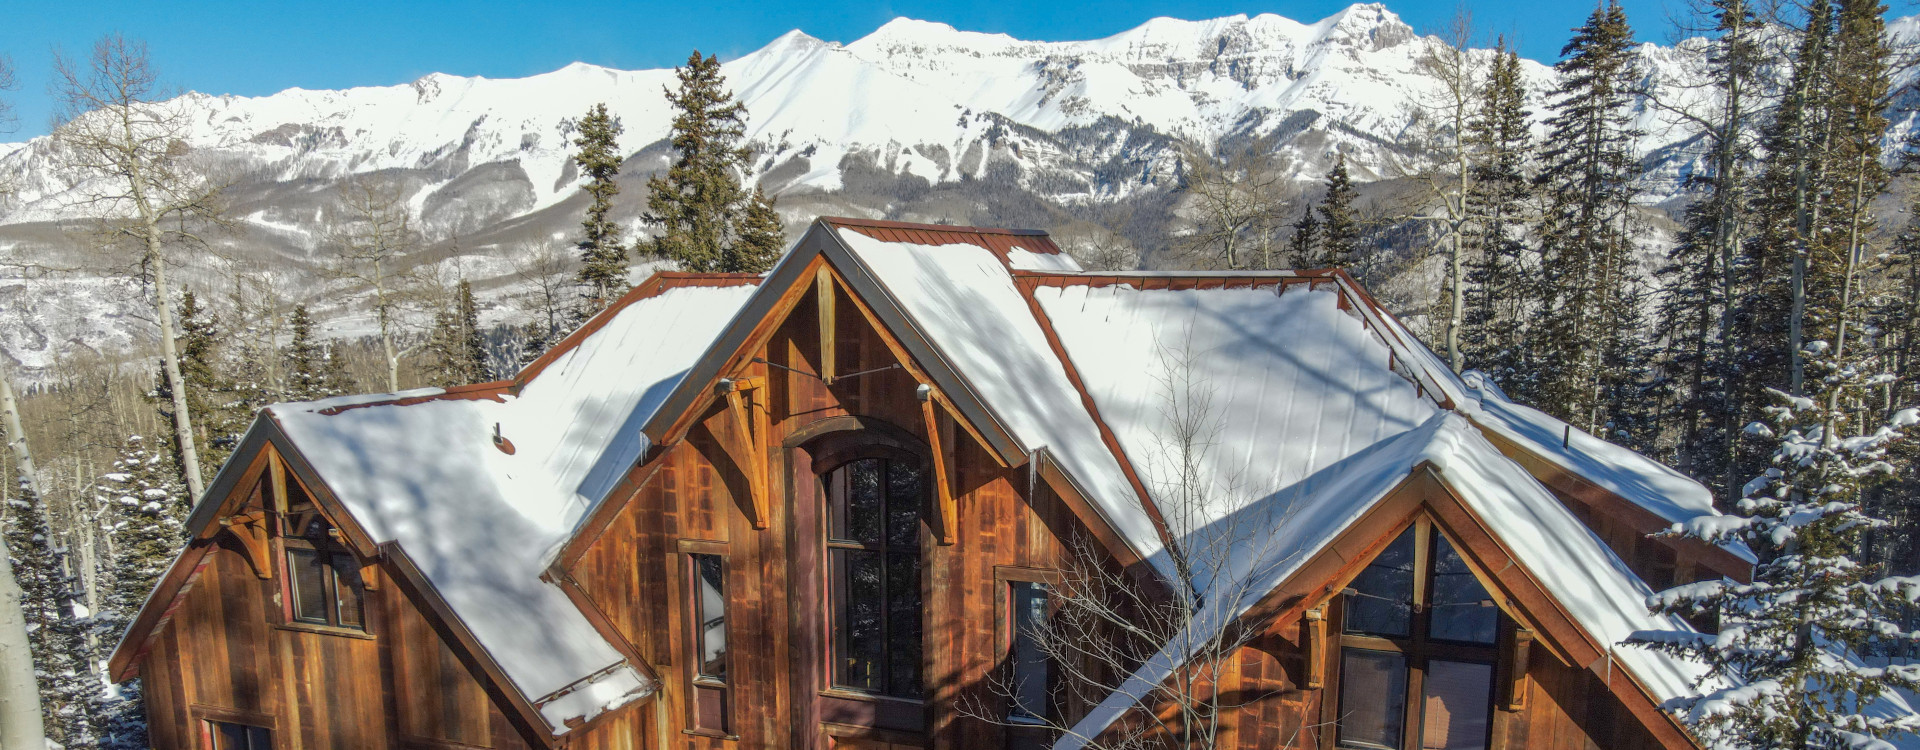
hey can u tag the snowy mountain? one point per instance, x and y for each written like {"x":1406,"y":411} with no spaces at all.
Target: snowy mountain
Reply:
{"x":917,"y":120}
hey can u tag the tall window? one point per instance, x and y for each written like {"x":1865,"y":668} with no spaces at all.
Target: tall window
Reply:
{"x":708,"y":604}
{"x":1417,"y":650}
{"x":1027,"y":612}
{"x":873,"y":558}
{"x":323,"y":579}
{"x":223,"y":735}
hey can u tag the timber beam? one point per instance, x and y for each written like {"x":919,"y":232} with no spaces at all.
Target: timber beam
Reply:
{"x":745,"y":428}
{"x":940,"y":440}
{"x":251,"y":530}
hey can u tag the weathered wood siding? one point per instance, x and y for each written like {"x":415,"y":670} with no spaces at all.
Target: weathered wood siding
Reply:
{"x":693,"y":491}
{"x":223,"y":657}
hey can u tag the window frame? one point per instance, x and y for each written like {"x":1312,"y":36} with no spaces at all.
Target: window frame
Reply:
{"x":700,"y":685}
{"x":836,"y":458}
{"x":210,"y":726}
{"x":1418,"y":649}
{"x":1005,"y":578}
{"x":329,"y":551}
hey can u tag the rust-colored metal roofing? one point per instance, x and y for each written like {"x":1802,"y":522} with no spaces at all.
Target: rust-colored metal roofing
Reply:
{"x":1000,"y":241}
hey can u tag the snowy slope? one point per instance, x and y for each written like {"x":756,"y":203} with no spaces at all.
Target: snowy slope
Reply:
{"x":862,"y":127}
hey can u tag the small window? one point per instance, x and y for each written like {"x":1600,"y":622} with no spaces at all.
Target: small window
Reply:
{"x":223,"y":735}
{"x":1031,"y":670}
{"x":323,"y":579}
{"x":710,"y":612}
{"x":707,"y":602}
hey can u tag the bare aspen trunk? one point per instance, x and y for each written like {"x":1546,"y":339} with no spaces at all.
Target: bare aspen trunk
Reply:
{"x":170,"y":361}
{"x":20,"y":717}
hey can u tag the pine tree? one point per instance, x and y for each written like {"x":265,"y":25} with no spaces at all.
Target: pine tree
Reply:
{"x":1786,"y":641}
{"x":456,"y":342}
{"x":1701,"y":277}
{"x":199,"y":355}
{"x":603,"y":257}
{"x":145,"y":529}
{"x":56,"y":623}
{"x":703,"y":213}
{"x":305,"y":360}
{"x":338,"y":380}
{"x":1587,"y":172}
{"x":1306,"y":239}
{"x":762,"y":238}
{"x":1502,"y":279}
{"x":1340,"y":235}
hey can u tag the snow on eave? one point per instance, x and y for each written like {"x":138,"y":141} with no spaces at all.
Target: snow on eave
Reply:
{"x":1575,"y":561}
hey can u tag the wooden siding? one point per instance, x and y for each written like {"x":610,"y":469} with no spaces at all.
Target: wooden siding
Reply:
{"x":223,"y":656}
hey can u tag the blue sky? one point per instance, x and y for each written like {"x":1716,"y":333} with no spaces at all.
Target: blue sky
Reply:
{"x":254,"y":47}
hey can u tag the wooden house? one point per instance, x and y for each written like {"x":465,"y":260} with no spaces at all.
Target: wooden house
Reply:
{"x":828,"y":508}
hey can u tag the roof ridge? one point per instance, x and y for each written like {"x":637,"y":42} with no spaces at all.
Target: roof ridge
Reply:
{"x":885,"y":224}
{"x":653,"y":286}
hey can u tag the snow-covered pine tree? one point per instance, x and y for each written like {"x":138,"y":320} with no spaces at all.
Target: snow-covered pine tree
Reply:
{"x":603,"y":256}
{"x":146,"y":532}
{"x":1586,"y":176}
{"x":699,"y":204}
{"x":761,"y":237}
{"x":1340,"y":229}
{"x":1785,"y":656}
{"x":1701,"y":273}
{"x":56,"y":623}
{"x":1502,"y":277}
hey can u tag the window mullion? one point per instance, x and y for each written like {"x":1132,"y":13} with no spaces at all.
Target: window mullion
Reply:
{"x":886,"y":593}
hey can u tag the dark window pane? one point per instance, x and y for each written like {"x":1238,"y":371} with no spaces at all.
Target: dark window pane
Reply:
{"x":856,"y":516}
{"x":903,"y":624}
{"x":903,"y":504}
{"x":1028,"y":602}
{"x":1382,"y":602}
{"x":1373,"y":698}
{"x":1457,"y":707}
{"x":308,"y":574}
{"x":347,"y":591}
{"x":710,"y":607}
{"x":1462,"y":611}
{"x":239,"y":736}
{"x":860,"y":637}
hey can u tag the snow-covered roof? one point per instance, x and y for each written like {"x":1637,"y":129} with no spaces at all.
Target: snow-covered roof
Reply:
{"x":1276,"y":386}
{"x":1652,"y":485}
{"x":481,"y":524}
{"x":1574,"y":566}
{"x":963,"y":299}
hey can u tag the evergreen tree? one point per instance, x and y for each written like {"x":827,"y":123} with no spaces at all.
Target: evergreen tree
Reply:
{"x":1786,"y":641}
{"x":1501,"y":280}
{"x":456,"y":342}
{"x":762,"y":239}
{"x":1587,"y":172}
{"x":305,"y":360}
{"x":1340,"y":233}
{"x":704,"y":215}
{"x":1701,"y":277}
{"x":603,"y":257}
{"x":56,"y":623}
{"x":144,"y":526}
{"x":1306,"y":239}
{"x":338,"y":380}
{"x":199,"y":353}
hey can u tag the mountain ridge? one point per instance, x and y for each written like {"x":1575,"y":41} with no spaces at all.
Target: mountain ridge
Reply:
{"x":916,"y":120}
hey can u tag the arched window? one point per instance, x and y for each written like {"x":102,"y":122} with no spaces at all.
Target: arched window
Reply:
{"x":873,"y":567}
{"x":1417,"y":650}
